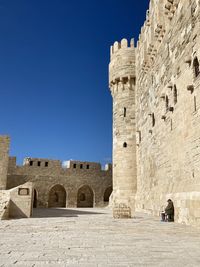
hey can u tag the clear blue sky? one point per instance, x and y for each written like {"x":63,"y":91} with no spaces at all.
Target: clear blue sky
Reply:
{"x":54,"y":55}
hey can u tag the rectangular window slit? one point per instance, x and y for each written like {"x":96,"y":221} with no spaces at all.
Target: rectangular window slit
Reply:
{"x":195,"y":104}
{"x":124,"y":112}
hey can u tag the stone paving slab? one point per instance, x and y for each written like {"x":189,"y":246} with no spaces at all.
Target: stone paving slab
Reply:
{"x":91,"y":237}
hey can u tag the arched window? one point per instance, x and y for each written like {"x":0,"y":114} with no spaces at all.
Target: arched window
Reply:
{"x":107,"y":194}
{"x":175,"y":94}
{"x":196,"y":67}
{"x":85,"y":197}
{"x":124,"y":144}
{"x":57,"y":196}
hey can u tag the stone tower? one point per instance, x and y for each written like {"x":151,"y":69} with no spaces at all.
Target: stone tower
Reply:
{"x":4,"y":157}
{"x":122,"y":85}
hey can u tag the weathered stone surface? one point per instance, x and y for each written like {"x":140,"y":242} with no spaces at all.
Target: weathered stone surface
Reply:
{"x":16,"y":202}
{"x":4,"y":155}
{"x":122,"y":85}
{"x":57,"y":185}
{"x":167,"y":108}
{"x":4,"y":204}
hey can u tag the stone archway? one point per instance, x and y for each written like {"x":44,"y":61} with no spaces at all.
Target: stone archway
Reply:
{"x":107,"y":194}
{"x":35,"y":198}
{"x":85,"y":197}
{"x":57,"y":196}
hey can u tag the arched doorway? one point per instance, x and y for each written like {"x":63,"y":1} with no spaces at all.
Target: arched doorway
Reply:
{"x":107,"y":194}
{"x":34,"y":198}
{"x":57,"y":196}
{"x":85,"y":197}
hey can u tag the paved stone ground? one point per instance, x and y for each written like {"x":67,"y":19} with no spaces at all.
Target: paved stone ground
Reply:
{"x":91,"y":237}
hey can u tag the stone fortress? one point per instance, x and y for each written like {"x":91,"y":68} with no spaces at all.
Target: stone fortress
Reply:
{"x":51,"y":183}
{"x":156,"y":114}
{"x":155,"y":87}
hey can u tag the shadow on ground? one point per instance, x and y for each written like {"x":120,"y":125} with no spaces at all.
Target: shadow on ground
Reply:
{"x":61,"y":212}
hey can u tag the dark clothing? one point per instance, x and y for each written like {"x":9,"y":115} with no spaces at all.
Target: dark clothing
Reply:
{"x":169,"y":211}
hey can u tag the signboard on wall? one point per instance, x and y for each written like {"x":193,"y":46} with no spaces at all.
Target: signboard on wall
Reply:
{"x":23,"y":191}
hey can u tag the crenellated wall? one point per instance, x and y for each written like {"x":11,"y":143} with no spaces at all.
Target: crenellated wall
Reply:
{"x":52,"y":177}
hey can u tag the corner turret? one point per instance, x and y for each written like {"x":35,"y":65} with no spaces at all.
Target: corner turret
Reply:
{"x":122,"y":61}
{"x":122,"y":81}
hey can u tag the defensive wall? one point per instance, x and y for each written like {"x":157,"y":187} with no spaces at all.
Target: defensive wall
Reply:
{"x":55,"y":183}
{"x":167,"y":110}
{"x":72,"y":184}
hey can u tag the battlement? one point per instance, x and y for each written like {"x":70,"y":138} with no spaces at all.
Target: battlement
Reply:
{"x":39,"y":162}
{"x":124,"y":44}
{"x":85,"y":165}
{"x":42,"y":163}
{"x":122,"y":62}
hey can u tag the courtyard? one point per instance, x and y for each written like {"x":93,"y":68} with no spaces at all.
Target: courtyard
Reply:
{"x":91,"y":237}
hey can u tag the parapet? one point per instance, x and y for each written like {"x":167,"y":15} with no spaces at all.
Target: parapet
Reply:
{"x":122,"y":61}
{"x":120,"y":45}
{"x":84,"y":165}
{"x":108,"y":167}
{"x":40,"y":162}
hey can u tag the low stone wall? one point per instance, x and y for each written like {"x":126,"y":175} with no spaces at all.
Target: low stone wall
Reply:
{"x":4,"y":204}
{"x":16,"y":202}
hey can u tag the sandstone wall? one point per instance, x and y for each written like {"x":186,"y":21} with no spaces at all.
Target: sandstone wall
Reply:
{"x":4,"y":155}
{"x":122,"y":86}
{"x":168,"y":109}
{"x":21,"y":201}
{"x":17,"y":202}
{"x":4,"y":204}
{"x":72,"y":176}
